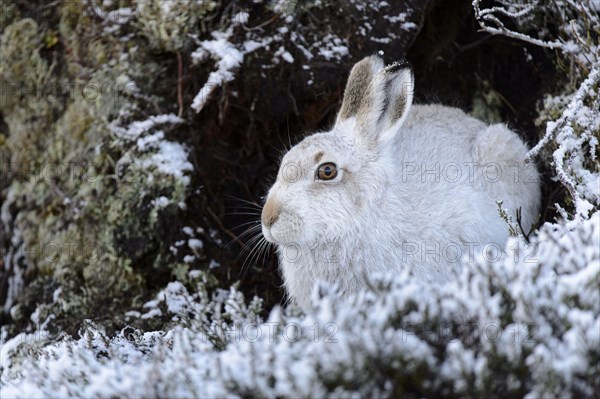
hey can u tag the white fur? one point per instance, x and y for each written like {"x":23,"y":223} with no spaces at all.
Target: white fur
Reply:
{"x":415,"y":195}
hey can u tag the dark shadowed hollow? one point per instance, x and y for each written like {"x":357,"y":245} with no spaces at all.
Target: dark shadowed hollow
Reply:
{"x":454,"y":64}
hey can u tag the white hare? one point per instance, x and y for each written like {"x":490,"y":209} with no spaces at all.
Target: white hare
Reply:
{"x":394,"y":186}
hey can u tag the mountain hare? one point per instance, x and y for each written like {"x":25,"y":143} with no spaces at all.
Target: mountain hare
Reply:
{"x":394,"y":186}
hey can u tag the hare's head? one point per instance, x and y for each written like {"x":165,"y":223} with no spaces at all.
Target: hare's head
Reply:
{"x":331,"y":182}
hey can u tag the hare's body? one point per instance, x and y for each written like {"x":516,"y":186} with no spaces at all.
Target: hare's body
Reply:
{"x":420,"y":193}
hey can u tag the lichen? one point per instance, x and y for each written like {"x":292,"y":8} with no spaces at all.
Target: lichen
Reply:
{"x":24,"y":78}
{"x":487,"y":104}
{"x":8,"y":13}
{"x":85,"y":205}
{"x":169,"y":24}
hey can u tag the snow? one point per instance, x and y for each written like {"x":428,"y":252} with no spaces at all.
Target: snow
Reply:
{"x":332,"y":47}
{"x":229,"y":58}
{"x":161,"y":202}
{"x":194,"y":274}
{"x":147,"y":142}
{"x":449,"y":334}
{"x":583,"y":184}
{"x":171,"y":159}
{"x":396,"y":18}
{"x":189,"y":258}
{"x":287,"y":57}
{"x":228,"y":51}
{"x":241,"y":17}
{"x":137,"y":128}
{"x":152,"y":150}
{"x":194,"y":243}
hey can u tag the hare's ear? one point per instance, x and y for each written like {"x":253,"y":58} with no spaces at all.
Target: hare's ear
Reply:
{"x":360,"y":77}
{"x":385,"y":105}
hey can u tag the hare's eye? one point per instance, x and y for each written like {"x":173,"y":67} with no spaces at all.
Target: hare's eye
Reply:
{"x":327,"y":171}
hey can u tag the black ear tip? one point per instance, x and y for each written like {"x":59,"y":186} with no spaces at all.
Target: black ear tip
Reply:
{"x":398,"y":66}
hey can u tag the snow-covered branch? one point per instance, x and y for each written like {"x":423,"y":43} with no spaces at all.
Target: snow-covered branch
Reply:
{"x":486,"y":16}
{"x":578,"y":126}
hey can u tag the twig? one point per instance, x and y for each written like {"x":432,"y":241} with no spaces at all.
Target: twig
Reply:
{"x":293,"y":99}
{"x":568,"y":114}
{"x":179,"y":83}
{"x":487,"y":15}
{"x":222,"y":227}
{"x":261,"y":25}
{"x":519,"y":217}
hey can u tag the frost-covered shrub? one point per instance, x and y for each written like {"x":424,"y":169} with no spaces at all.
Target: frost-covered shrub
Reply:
{"x":528,"y":326}
{"x":571,"y":116}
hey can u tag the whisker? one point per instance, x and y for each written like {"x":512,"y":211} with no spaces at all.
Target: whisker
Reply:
{"x":262,"y":243}
{"x":288,"y":132}
{"x":256,"y":256}
{"x":281,"y":142}
{"x":265,"y":250}
{"x":244,"y":201}
{"x":250,"y":232}
{"x":246,"y":207}
{"x":250,"y":241}
{"x":255,"y":244}
{"x":242,"y":213}
{"x":257,"y":222}
{"x":257,"y":226}
{"x":238,"y":238}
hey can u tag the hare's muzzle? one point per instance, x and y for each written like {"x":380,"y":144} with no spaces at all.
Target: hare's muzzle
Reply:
{"x":270,"y":212}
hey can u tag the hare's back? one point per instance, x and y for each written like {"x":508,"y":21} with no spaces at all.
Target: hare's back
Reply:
{"x":453,"y":166}
{"x":436,"y":134}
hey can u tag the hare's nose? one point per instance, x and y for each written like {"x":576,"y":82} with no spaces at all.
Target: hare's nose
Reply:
{"x":270,"y":212}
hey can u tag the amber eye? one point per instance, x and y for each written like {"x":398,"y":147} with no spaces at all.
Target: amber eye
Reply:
{"x":327,"y":171}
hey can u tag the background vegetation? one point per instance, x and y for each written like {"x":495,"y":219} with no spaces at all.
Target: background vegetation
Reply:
{"x":135,"y":137}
